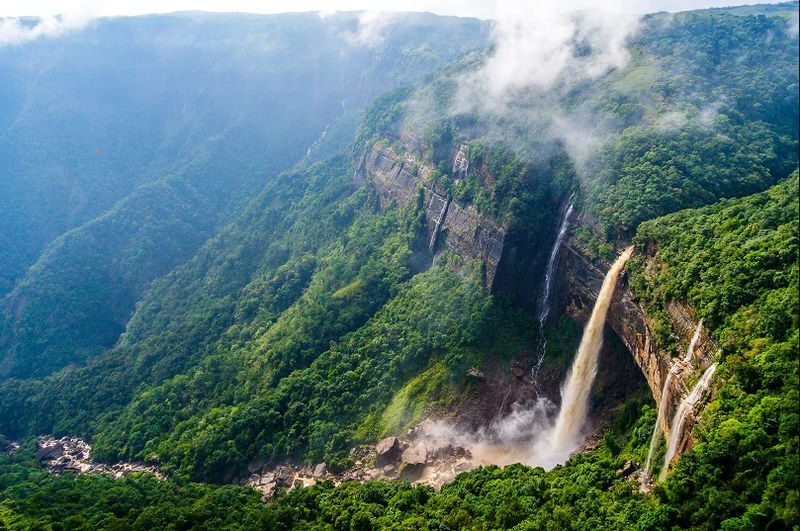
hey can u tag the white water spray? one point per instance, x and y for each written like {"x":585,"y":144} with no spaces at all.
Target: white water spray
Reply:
{"x":679,"y":420}
{"x":543,"y":306}
{"x":575,"y":393}
{"x":686,"y":362}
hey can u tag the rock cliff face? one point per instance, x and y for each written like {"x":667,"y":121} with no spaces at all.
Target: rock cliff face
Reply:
{"x":462,"y":228}
{"x":514,"y":263}
{"x":580,"y":278}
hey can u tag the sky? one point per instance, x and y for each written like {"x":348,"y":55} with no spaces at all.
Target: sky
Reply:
{"x":475,"y":8}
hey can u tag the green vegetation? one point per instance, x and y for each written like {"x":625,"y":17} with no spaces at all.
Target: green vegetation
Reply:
{"x":736,"y":263}
{"x":301,"y":336}
{"x":747,"y":440}
{"x":305,"y":325}
{"x":110,"y":180}
{"x":587,"y":491}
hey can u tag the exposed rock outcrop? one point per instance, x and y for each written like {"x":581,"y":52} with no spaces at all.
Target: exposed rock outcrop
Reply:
{"x":581,"y":277}
{"x":8,"y":447}
{"x":70,"y":454}
{"x":422,"y":456}
{"x":398,"y":179}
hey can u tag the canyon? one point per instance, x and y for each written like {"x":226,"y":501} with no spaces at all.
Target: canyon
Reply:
{"x":506,"y":257}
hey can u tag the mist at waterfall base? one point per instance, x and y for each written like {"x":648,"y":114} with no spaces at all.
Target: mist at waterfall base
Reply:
{"x":538,"y":433}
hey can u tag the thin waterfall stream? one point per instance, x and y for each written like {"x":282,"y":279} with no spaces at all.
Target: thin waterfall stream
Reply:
{"x":686,"y":362}
{"x":543,"y":305}
{"x":682,"y":414}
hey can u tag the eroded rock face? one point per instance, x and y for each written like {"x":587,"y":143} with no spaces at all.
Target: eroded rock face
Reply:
{"x":581,"y":277}
{"x":472,"y":235}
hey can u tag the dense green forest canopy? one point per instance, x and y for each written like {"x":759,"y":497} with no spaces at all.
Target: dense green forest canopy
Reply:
{"x":752,"y":419}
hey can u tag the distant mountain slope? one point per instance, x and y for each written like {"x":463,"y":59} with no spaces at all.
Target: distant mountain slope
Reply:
{"x":143,"y":135}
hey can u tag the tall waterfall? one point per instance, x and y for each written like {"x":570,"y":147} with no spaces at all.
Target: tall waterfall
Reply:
{"x":543,"y":305}
{"x":665,"y":393}
{"x":575,"y":394}
{"x":679,"y":420}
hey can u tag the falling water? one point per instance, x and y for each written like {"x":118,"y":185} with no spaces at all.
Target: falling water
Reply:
{"x":543,"y":305}
{"x":575,"y":394}
{"x":665,"y":393}
{"x":679,"y":420}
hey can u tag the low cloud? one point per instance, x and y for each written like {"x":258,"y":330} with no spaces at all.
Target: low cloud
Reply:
{"x":549,"y":43}
{"x":542,"y":52}
{"x":15,"y":31}
{"x":370,"y":28}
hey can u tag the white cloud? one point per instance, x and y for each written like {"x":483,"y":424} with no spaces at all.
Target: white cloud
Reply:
{"x":370,"y":28}
{"x":541,"y":44}
{"x":15,"y":31}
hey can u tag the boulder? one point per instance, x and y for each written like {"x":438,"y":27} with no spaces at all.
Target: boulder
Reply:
{"x":627,"y":469}
{"x":283,"y":476}
{"x":320,"y":470}
{"x":476,"y":374}
{"x":387,"y":451}
{"x":48,"y":453}
{"x":414,"y":455}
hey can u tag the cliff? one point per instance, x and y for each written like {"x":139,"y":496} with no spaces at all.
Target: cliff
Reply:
{"x":470,"y":234}
{"x":580,"y":278}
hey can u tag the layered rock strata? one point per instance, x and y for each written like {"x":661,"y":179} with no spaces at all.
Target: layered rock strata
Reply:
{"x":581,"y":277}
{"x":400,"y":179}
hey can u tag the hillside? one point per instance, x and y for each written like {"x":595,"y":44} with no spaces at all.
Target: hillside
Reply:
{"x":397,"y":308}
{"x":114,"y":175}
{"x":752,"y":417}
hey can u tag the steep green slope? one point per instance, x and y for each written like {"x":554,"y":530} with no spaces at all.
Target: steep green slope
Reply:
{"x":307,"y":299}
{"x":111,"y":153}
{"x":736,"y":262}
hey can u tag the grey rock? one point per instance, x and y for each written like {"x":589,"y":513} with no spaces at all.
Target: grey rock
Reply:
{"x":415,"y":455}
{"x":475,"y":373}
{"x":48,"y":453}
{"x":320,"y":470}
{"x":387,"y":451}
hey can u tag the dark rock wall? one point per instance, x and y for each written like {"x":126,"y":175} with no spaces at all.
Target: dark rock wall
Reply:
{"x":579,"y":280}
{"x":470,"y":234}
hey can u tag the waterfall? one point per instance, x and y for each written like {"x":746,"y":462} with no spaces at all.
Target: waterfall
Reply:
{"x":575,"y":393}
{"x":665,"y":393}
{"x":543,"y":305}
{"x":679,"y":420}
{"x":435,"y":234}
{"x":461,"y":163}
